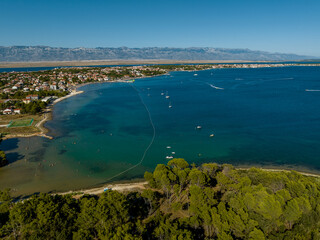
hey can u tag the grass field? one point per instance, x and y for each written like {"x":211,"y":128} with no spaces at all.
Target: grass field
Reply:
{"x":32,"y":129}
{"x":21,"y":123}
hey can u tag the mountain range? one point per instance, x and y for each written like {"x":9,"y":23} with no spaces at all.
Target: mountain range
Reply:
{"x":45,"y":53}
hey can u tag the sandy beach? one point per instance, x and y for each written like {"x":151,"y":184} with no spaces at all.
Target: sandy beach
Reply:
{"x":138,"y":186}
{"x":121,"y":187}
{"x":48,"y":113}
{"x":68,"y":96}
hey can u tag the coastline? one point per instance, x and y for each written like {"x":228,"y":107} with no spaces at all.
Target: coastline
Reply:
{"x":121,"y":187}
{"x":135,"y":185}
{"x":47,"y":115}
{"x":281,"y":170}
{"x":110,"y":62}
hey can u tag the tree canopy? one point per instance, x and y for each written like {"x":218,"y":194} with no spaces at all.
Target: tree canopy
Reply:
{"x":182,"y":201}
{"x":3,"y":158}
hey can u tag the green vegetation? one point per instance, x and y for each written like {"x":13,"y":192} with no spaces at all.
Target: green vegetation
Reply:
{"x":3,"y":158}
{"x":2,"y":83}
{"x":184,"y":202}
{"x":19,"y":131}
{"x":21,"y":123}
{"x":33,"y":107}
{"x":184,"y":67}
{"x":44,"y":93}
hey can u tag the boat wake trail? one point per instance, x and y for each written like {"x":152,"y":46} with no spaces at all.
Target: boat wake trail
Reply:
{"x":150,"y":144}
{"x":211,"y":85}
{"x":312,"y":90}
{"x":215,"y":87}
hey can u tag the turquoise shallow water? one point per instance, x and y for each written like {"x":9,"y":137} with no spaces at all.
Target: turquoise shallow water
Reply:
{"x":261,"y":117}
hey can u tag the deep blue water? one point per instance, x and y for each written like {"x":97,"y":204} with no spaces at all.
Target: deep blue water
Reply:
{"x":259,"y":117}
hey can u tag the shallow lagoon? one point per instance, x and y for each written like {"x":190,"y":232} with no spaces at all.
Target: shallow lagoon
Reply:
{"x":260,"y":117}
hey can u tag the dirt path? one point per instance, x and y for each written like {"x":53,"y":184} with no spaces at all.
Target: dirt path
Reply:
{"x":121,"y":187}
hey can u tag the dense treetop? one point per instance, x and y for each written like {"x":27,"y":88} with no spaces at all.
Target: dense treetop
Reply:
{"x":182,"y":201}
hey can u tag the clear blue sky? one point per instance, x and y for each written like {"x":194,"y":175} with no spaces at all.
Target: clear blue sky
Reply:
{"x":288,"y":26}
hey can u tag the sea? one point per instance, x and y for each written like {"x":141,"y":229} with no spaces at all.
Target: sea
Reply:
{"x":263,"y":117}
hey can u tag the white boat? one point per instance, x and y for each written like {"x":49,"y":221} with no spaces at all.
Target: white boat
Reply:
{"x":195,"y":74}
{"x":211,"y":135}
{"x":173,"y":153}
{"x":198,"y":127}
{"x":169,"y":157}
{"x":162,"y":93}
{"x":170,"y":106}
{"x":167,"y":97}
{"x":168,"y":146}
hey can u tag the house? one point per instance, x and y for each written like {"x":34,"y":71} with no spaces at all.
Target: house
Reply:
{"x":7,"y":111}
{"x":34,"y":97}
{"x":26,"y":100}
{"x":30,"y":98}
{"x":7,"y":90}
{"x":17,"y":111}
{"x":46,"y":99}
{"x":53,"y":86}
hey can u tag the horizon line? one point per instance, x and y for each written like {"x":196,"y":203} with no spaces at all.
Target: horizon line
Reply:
{"x":79,"y":47}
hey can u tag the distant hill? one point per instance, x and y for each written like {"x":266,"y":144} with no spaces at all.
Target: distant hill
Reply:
{"x":44,"y":53}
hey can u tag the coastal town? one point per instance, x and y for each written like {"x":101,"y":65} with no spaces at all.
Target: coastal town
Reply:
{"x":30,"y":96}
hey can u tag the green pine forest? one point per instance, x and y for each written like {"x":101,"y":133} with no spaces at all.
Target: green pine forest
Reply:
{"x":181,"y":202}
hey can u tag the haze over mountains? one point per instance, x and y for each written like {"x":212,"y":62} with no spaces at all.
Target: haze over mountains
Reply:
{"x":45,"y":53}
